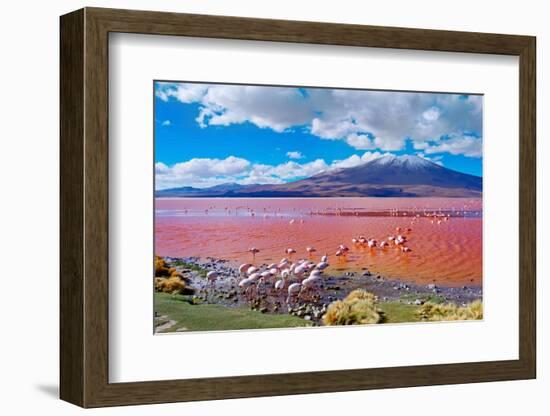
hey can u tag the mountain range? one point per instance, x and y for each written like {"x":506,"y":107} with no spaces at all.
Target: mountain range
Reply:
{"x":386,"y":176}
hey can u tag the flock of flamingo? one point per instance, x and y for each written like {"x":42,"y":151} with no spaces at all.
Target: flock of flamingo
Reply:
{"x":304,"y":275}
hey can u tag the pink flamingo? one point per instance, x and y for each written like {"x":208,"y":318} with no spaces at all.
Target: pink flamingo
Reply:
{"x":310,"y":250}
{"x":243,"y":268}
{"x":253,"y":250}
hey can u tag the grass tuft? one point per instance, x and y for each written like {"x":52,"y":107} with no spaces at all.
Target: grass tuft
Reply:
{"x":358,"y":308}
{"x":451,"y":312}
{"x":173,"y":285}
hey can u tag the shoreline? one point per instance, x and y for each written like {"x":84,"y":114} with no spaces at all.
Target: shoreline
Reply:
{"x":336,"y":285}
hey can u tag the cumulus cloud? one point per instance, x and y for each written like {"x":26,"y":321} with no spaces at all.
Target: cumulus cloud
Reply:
{"x":294,"y":155}
{"x":467,"y":145}
{"x":366,"y":120}
{"x":204,"y":172}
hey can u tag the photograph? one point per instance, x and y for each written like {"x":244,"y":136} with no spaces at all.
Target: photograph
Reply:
{"x":286,"y":206}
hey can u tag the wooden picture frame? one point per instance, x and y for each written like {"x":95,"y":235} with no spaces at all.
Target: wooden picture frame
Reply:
{"x":84,"y":207}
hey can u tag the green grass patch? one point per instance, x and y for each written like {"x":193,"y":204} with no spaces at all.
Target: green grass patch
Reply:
{"x":208,"y":317}
{"x":190,"y":266}
{"x":396,"y":312}
{"x":411,"y":297}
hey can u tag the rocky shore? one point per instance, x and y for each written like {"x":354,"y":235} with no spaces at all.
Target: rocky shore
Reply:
{"x":310,"y":305}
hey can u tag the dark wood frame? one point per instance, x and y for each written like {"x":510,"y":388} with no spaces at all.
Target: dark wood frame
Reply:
{"x":84,"y":207}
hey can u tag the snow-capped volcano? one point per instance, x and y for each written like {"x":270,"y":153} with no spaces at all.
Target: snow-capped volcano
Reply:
{"x":403,"y":160}
{"x":388,"y":175}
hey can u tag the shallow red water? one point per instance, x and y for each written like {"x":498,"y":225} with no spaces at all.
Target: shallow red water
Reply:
{"x":446,"y":252}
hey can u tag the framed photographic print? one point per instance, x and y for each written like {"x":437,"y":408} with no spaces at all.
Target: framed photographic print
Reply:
{"x":355,"y":203}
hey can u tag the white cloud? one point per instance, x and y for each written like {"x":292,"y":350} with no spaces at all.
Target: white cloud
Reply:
{"x":212,"y":167}
{"x":431,"y":114}
{"x":360,"y":141}
{"x":186,"y":93}
{"x":161,"y":168}
{"x":355,"y":160}
{"x":166,"y":123}
{"x":205,"y":172}
{"x":435,"y":159}
{"x":295,"y":155}
{"x":458,"y":145}
{"x":366,"y":120}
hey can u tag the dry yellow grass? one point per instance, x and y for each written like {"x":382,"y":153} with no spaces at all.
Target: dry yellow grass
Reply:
{"x":451,"y":312}
{"x":173,"y":284}
{"x":358,"y":308}
{"x":361,"y":294}
{"x":169,"y":280}
{"x":161,"y":268}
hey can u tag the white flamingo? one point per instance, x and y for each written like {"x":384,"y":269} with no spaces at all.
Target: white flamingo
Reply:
{"x":211,"y":276}
{"x":293,"y":290}
{"x":280,"y":284}
{"x":322,"y":265}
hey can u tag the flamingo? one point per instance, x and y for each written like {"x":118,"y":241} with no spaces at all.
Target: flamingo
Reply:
{"x":245,"y":283}
{"x":253,"y":250}
{"x":300,"y":269}
{"x":290,"y":251}
{"x":212,"y":276}
{"x":406,"y":249}
{"x":254,"y":277}
{"x":324,"y":258}
{"x":383,"y":244}
{"x":251,"y":270}
{"x":310,"y":250}
{"x":322,"y":265}
{"x":266,"y":274}
{"x":280,"y":284}
{"x":312,"y":280}
{"x":243,"y":268}
{"x":372,"y":243}
{"x":293,"y":289}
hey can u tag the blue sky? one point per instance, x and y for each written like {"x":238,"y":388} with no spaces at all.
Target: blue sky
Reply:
{"x":207,"y":134}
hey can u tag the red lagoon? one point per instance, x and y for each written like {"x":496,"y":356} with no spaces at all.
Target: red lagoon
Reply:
{"x":444,"y":235}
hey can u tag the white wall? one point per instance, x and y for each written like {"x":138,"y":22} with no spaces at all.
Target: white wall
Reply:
{"x":29,"y":212}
